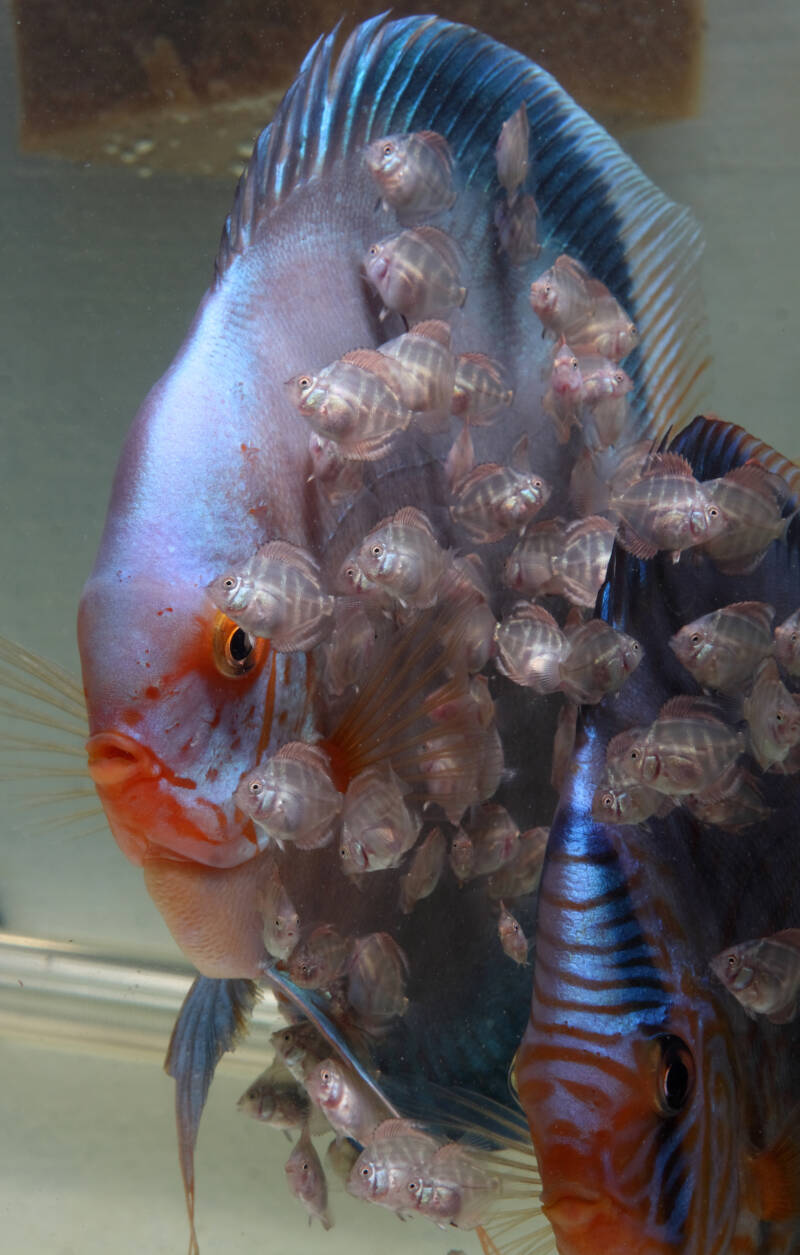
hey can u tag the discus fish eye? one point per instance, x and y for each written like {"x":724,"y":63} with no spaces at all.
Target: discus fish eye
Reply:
{"x":779,"y":716}
{"x":675,"y":1075}
{"x":235,"y":651}
{"x":538,"y":483}
{"x":254,"y":787}
{"x":304,"y":383}
{"x":325,"y":1075}
{"x":412,"y":1185}
{"x":388,"y":149}
{"x":607,"y":800}
{"x":373,"y":252}
{"x":377,"y":550}
{"x":695,"y":638}
{"x":574,"y":363}
{"x":713,"y":512}
{"x":229,"y":581}
{"x":733,"y":962}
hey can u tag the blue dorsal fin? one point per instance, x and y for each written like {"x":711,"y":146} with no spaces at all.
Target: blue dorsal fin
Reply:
{"x":715,"y":447}
{"x":423,"y":73}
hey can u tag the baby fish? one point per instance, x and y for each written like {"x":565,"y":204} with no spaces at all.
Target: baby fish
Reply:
{"x":425,"y":871}
{"x":739,"y":807}
{"x":455,"y":1189}
{"x":493,"y":500}
{"x":512,"y":938}
{"x":628,"y":803}
{"x":377,"y":827}
{"x":403,"y":558}
{"x":392,"y":1160}
{"x":666,"y":509}
{"x":292,"y":796}
{"x":787,"y":643}
{"x":306,"y":1180}
{"x":607,"y":331}
{"x":281,"y":921}
{"x":580,"y":568}
{"x":564,"y":397}
{"x":521,"y":875}
{"x":764,"y":974}
{"x":338,"y":478}
{"x":570,"y":303}
{"x":561,"y":297}
{"x":773,"y":717}
{"x":480,"y":389}
{"x":462,"y":856}
{"x":414,"y":173}
{"x":530,"y":567}
{"x":512,"y":152}
{"x":688,"y":749}
{"x":353,"y":403}
{"x":752,"y":499}
{"x":276,"y":1098}
{"x":352,"y":648}
{"x":377,"y":974}
{"x":300,"y":1046}
{"x":603,"y":380}
{"x":426,"y":381}
{"x":277,"y":594}
{"x":599,"y":661}
{"x":319,"y":960}
{"x":494,"y":837}
{"x":417,"y":273}
{"x":516,"y":229}
{"x":351,"y":1107}
{"x":531,"y":648}
{"x":721,"y":650}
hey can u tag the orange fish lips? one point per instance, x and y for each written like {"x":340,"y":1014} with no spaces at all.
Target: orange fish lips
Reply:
{"x":153,"y":812}
{"x":585,"y":1222}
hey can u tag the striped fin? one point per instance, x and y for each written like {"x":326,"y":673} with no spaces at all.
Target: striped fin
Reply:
{"x":715,"y":447}
{"x":422,"y":73}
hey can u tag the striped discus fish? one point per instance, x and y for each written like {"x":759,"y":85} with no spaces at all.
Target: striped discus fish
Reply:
{"x":664,"y":1120}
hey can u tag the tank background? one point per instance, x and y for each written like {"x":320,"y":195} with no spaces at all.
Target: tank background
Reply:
{"x":102,"y":274}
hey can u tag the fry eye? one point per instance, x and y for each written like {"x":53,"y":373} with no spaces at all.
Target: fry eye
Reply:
{"x":236,"y":652}
{"x":373,"y":252}
{"x":388,"y":149}
{"x":229,"y":581}
{"x":377,"y":550}
{"x":713,"y":512}
{"x":254,"y":787}
{"x":675,"y":1075}
{"x":607,"y":800}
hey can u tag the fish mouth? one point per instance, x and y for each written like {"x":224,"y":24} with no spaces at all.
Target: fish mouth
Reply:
{"x":585,"y":1222}
{"x":116,"y":759}
{"x":153,"y":812}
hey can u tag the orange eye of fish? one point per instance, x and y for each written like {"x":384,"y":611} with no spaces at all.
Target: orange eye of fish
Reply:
{"x":235,"y":651}
{"x":634,"y":756}
{"x":675,"y":1075}
{"x":365,"y":1172}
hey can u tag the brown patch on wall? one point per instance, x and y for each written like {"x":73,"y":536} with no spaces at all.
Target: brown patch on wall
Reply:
{"x":187,"y":87}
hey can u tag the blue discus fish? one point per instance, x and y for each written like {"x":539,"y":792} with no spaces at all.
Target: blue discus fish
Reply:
{"x":663,"y":1118}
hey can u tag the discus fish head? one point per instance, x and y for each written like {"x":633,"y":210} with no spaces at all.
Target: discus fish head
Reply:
{"x":636,"y":1138}
{"x":180,"y":701}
